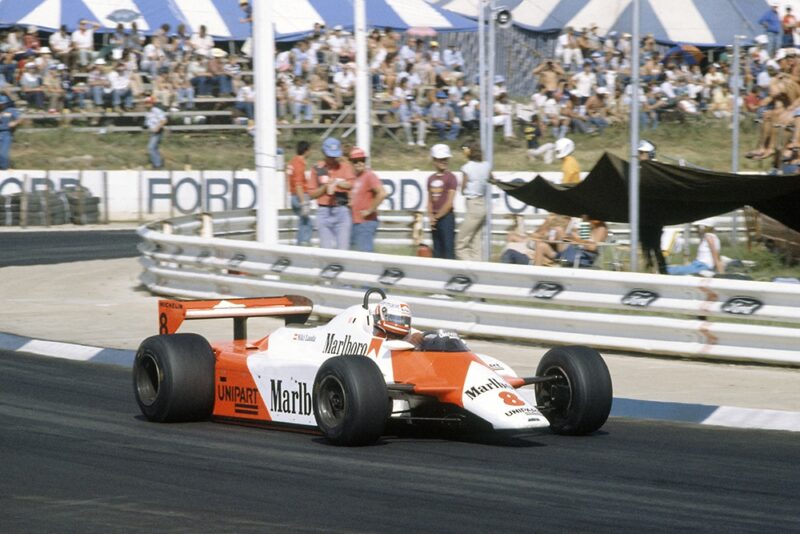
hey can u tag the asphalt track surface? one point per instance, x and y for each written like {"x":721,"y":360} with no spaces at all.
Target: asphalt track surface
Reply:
{"x":46,"y":247}
{"x":78,"y":456}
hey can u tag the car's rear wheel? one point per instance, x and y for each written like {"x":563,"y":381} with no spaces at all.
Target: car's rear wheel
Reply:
{"x":173,"y":378}
{"x":351,"y":402}
{"x":578,"y":398}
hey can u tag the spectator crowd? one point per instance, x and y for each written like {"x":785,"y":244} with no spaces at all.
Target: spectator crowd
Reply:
{"x":582,"y":88}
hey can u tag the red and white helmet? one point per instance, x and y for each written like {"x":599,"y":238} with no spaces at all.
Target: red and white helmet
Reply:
{"x":393,"y":317}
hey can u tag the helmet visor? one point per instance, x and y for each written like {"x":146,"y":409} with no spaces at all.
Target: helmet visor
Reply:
{"x":397,"y":323}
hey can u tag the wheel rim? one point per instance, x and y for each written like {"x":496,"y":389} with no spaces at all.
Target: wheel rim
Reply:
{"x":555,"y":395}
{"x":148,"y":379}
{"x":331,"y":402}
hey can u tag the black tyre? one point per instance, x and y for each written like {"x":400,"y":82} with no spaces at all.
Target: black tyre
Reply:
{"x":173,"y":378}
{"x":351,"y":403}
{"x":579,"y":398}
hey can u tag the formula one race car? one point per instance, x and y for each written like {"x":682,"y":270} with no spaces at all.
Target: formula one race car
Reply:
{"x":348,"y":379}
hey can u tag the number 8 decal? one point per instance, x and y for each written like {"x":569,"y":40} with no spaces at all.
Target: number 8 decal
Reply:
{"x":511,"y":399}
{"x":162,"y":324}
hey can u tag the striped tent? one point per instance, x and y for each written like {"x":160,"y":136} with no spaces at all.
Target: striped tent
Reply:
{"x":222,"y":18}
{"x":706,"y":23}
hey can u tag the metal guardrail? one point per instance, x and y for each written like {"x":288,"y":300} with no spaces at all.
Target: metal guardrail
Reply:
{"x":700,"y":317}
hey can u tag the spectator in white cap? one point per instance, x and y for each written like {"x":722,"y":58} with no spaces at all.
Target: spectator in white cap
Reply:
{"x":571,"y":170}
{"x":442,"y":186}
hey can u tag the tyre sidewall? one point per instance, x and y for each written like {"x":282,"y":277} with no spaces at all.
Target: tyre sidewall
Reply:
{"x":186,"y":388}
{"x":591,"y":390}
{"x":366,"y":400}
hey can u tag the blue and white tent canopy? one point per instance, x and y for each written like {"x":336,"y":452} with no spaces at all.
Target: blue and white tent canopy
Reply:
{"x":698,"y":22}
{"x":222,"y":17}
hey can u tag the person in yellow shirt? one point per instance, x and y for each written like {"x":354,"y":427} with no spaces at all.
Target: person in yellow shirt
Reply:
{"x":569,"y":165}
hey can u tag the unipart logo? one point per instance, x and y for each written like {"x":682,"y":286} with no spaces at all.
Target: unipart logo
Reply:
{"x":546,"y":290}
{"x":297,"y":401}
{"x":742,"y":306}
{"x":343,"y":346}
{"x":640,"y":298}
{"x":491,"y":385}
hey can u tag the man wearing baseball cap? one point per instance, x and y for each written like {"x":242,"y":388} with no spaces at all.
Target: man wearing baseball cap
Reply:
{"x":442,"y":187}
{"x":331,"y":181}
{"x":443,"y":118}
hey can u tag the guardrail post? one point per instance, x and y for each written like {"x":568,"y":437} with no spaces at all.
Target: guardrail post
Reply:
{"x":23,"y":202}
{"x":206,"y":225}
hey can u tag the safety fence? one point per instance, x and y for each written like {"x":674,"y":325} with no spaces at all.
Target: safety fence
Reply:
{"x":200,"y":257}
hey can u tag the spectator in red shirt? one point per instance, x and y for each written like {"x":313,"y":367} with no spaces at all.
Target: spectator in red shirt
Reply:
{"x":442,"y":187}
{"x":365,"y":197}
{"x":331,"y":182}
{"x":299,"y":189}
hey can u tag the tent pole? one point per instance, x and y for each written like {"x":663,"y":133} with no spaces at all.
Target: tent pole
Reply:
{"x":266,"y":142}
{"x":736,"y":92}
{"x":633,"y":176}
{"x":489,"y":152}
{"x":363,"y":129}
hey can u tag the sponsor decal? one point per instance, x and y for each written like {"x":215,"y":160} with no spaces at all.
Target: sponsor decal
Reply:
{"x":391,"y":276}
{"x":458,"y":284}
{"x":236,"y":260}
{"x":280,"y":265}
{"x":640,"y":298}
{"x":347,"y":345}
{"x":245,"y":399}
{"x":294,"y":401}
{"x":742,"y":306}
{"x":375,"y":346}
{"x":304,"y":337}
{"x":331,"y":271}
{"x":546,"y":290}
{"x":492,"y":385}
{"x":525,"y":411}
{"x":496,"y":367}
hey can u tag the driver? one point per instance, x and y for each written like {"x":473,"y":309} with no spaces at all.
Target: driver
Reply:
{"x":392,"y":319}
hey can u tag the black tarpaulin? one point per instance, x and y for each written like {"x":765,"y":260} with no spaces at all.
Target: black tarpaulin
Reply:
{"x":669,"y":194}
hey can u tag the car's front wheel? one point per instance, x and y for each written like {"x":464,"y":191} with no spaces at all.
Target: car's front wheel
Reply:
{"x":577,"y":399}
{"x":351,"y":402}
{"x":173,"y":378}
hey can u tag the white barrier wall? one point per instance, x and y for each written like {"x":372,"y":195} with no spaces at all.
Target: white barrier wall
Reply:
{"x":147,"y":195}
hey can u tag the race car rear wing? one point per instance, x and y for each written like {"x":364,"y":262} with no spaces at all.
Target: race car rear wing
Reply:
{"x":172,"y":313}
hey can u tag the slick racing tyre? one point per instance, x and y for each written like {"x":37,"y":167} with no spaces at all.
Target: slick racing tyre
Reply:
{"x":351,"y":402}
{"x":578,"y":399}
{"x":173,"y":378}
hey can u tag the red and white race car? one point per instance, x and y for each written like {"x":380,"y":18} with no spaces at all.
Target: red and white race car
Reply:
{"x":347,"y":381}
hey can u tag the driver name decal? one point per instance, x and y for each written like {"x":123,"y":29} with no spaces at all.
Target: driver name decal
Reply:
{"x":343,"y":346}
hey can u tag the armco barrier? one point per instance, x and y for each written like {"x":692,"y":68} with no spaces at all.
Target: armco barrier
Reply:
{"x":716,"y":318}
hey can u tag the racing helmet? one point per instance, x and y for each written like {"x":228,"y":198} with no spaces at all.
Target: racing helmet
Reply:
{"x":393,"y":317}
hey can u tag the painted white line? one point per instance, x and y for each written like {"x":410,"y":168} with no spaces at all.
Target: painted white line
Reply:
{"x":60,"y":350}
{"x":752,"y":418}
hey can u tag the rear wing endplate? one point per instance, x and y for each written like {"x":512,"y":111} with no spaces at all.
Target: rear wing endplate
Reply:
{"x":172,"y":313}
